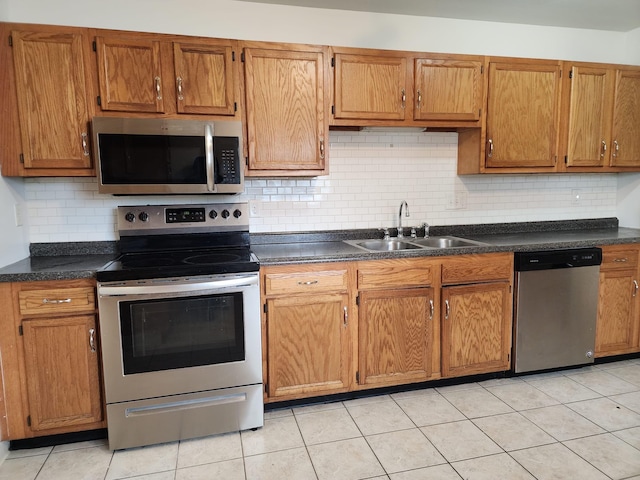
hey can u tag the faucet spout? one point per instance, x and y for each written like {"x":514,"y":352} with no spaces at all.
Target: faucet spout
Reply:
{"x":406,"y":214}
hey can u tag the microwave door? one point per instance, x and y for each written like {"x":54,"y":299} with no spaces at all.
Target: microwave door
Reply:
{"x":209,"y":160}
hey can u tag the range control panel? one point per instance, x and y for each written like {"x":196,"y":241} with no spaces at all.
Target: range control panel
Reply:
{"x":150,"y":219}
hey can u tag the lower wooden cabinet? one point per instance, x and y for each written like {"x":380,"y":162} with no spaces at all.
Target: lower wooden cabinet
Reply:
{"x":618,"y":324}
{"x":307,"y":329}
{"x":50,"y":359}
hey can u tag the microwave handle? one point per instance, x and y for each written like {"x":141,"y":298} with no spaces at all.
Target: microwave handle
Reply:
{"x":208,"y":155}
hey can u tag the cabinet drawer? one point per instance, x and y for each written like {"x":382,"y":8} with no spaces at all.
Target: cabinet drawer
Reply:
{"x":619,"y":257}
{"x":396,"y":273}
{"x":61,"y":300}
{"x":303,"y":282}
{"x":477,"y":268}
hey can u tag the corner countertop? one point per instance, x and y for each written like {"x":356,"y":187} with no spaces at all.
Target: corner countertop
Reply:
{"x":73,"y":260}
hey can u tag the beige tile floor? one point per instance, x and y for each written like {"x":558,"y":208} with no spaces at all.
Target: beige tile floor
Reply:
{"x":576,"y":424}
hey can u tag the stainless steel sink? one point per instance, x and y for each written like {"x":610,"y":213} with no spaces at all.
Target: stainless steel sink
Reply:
{"x":384,"y":245}
{"x":446,"y":242}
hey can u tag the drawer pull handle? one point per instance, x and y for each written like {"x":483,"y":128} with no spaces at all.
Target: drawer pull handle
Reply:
{"x":616,"y":149}
{"x":54,"y":302}
{"x":431,"y":309}
{"x":603,"y":150}
{"x":92,"y":339}
{"x":158,"y":89}
{"x":346,"y":316}
{"x":490,"y":154}
{"x":419,"y":98}
{"x":321,"y":149}
{"x":85,"y":144}
{"x":447,"y":310}
{"x":310,"y":282}
{"x":635,"y":288}
{"x":619,"y":259}
{"x":403,"y":97}
{"x":179,"y":87}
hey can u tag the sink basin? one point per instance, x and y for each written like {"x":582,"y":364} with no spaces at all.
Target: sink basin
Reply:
{"x":445,"y":242}
{"x":383,"y":245}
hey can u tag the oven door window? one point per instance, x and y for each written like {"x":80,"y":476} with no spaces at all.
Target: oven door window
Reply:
{"x":163,"y":334}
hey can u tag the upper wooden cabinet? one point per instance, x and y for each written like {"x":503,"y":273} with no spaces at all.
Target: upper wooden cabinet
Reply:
{"x":372,"y":87}
{"x":522,"y":116}
{"x":45,"y":82}
{"x":602,"y":117}
{"x":162,"y":74}
{"x":286,"y":109}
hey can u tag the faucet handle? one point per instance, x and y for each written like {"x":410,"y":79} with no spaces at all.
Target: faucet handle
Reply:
{"x":425,"y":225}
{"x":413,"y":232}
{"x":384,"y":230}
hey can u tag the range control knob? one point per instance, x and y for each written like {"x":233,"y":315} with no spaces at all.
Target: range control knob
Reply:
{"x":225,"y":213}
{"x":144,"y":217}
{"x":130,"y":217}
{"x":237,"y":213}
{"x":213,"y":214}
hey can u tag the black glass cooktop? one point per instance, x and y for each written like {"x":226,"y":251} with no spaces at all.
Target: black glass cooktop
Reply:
{"x":181,"y":263}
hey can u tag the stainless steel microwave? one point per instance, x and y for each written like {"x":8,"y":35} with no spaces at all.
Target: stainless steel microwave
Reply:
{"x":145,"y":156}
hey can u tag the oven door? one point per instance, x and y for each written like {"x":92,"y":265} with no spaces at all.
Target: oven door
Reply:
{"x":172,"y":336}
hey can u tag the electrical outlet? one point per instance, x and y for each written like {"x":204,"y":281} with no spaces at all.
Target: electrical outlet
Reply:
{"x":255,"y":208}
{"x":17,"y":214}
{"x":576,"y":196}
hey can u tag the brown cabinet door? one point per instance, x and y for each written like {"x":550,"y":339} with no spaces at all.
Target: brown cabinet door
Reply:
{"x":370,"y":87}
{"x":62,"y":376}
{"x":307,"y":344}
{"x":626,"y":120}
{"x":52,"y":96}
{"x":476,"y":328}
{"x":590,"y":117}
{"x":204,"y":78}
{"x":285,"y":107}
{"x":395,"y":336}
{"x":522,"y":115}
{"x":447,"y":90}
{"x":129,"y":74}
{"x":618,"y":322}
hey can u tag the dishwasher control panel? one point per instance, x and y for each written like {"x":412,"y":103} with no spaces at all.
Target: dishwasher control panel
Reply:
{"x":552,"y":259}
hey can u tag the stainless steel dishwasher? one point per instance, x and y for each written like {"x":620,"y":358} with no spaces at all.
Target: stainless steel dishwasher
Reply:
{"x":556,"y":305}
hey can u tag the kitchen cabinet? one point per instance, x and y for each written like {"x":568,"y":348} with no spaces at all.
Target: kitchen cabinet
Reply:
{"x":618,"y":321}
{"x":476,"y":314}
{"x":602,"y":112}
{"x":50,"y":358}
{"x":523,"y":106}
{"x":406,"y":88}
{"x":396,"y":317}
{"x":164,"y":74}
{"x":307,"y":330}
{"x":46,"y":82}
{"x":286,"y":109}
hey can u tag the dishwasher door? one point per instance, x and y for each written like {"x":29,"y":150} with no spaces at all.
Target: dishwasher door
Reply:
{"x":555,"y":317}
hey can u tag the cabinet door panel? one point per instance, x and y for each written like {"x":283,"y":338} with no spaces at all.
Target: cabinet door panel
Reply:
{"x":370,"y":87}
{"x":286,"y":127}
{"x":204,"y":79}
{"x":448,"y":90}
{"x":476,"y":332}
{"x":395,"y":331}
{"x":589,"y":117}
{"x":307,"y":344}
{"x":523,"y":102}
{"x":626,"y":120}
{"x":129,"y":74}
{"x":50,"y":84}
{"x":62,"y":372}
{"x":618,"y":323}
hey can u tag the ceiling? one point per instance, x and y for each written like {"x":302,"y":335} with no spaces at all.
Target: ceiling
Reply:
{"x":613,"y":15}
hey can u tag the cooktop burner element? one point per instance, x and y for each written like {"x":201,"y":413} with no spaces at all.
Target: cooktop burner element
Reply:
{"x":162,"y":241}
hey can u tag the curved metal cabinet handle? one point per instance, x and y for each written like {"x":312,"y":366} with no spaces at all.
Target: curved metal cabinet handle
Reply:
{"x":490,"y":154}
{"x":322,"y":149}
{"x":635,"y":287}
{"x":620,"y":260}
{"x":447,"y":309}
{"x":158,"y":90}
{"x":55,"y":302}
{"x":179,"y":88}
{"x":616,"y":149}
{"x":345,"y":316}
{"x":419,"y":96}
{"x":85,"y":144}
{"x":603,"y":149}
{"x":310,"y":282}
{"x":431,"y":309}
{"x":404,"y":98}
{"x":92,"y":339}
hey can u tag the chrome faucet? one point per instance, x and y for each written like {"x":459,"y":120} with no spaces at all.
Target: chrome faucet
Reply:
{"x":406,"y":214}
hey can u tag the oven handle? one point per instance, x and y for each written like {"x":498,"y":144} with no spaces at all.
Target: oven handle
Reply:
{"x":208,"y":156}
{"x":186,"y":404}
{"x":243,"y":281}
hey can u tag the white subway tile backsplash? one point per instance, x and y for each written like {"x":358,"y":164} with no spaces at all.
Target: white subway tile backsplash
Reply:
{"x":370,"y":174}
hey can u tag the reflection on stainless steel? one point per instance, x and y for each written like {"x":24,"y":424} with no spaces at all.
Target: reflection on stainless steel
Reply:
{"x":395,"y":244}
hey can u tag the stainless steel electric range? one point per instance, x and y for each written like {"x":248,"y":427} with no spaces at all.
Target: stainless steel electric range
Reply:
{"x":180,"y":325}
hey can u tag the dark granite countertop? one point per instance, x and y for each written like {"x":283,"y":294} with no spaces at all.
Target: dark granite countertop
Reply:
{"x":71,"y":260}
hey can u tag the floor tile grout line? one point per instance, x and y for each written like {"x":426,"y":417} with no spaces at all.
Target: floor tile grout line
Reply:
{"x":306,"y":447}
